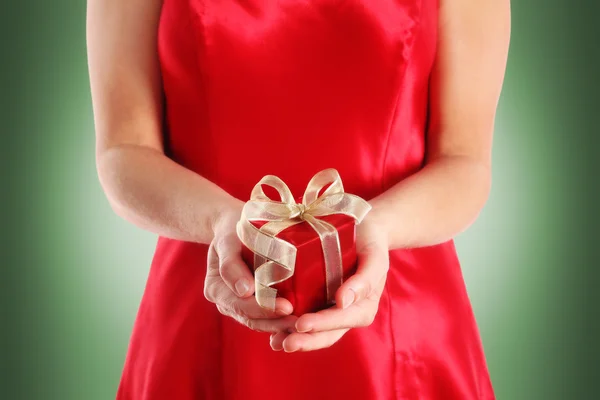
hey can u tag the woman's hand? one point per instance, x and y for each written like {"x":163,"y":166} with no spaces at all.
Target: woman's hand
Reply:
{"x":230,"y":284}
{"x":357,"y":299}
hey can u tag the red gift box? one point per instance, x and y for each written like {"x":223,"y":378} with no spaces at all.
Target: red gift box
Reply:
{"x":306,"y":289}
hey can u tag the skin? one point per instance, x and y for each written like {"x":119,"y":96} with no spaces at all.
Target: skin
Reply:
{"x":428,"y":208}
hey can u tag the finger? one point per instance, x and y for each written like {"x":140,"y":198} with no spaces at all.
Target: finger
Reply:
{"x":373,"y":264}
{"x":357,"y":315}
{"x":312,"y":341}
{"x":216,"y":291}
{"x":261,"y":325}
{"x":214,"y":287}
{"x":249,"y":308}
{"x":271,"y":325}
{"x":212,"y":263}
{"x":277,"y":340}
{"x":234,"y":271}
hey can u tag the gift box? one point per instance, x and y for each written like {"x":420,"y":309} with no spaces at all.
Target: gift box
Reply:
{"x":306,"y":289}
{"x":301,"y":250}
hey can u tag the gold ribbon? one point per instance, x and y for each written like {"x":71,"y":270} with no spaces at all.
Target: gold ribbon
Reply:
{"x":275,"y":257}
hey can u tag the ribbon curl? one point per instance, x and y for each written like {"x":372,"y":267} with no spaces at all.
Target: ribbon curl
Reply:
{"x":276,"y":258}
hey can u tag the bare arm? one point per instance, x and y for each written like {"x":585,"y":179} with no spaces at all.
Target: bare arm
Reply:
{"x":446,"y":196}
{"x":143,"y":185}
{"x":443,"y":198}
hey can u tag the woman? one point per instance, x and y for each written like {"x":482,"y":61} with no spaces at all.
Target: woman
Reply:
{"x":195,"y":101}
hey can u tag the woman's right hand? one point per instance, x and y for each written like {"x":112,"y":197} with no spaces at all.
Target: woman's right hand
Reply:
{"x":230,"y":285}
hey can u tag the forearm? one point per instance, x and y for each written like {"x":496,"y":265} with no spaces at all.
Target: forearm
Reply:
{"x":434,"y":204}
{"x":153,"y":192}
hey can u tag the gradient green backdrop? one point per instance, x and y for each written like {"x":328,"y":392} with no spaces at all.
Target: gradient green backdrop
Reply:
{"x":73,"y":272}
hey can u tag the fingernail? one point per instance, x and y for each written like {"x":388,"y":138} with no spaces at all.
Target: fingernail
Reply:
{"x":290,"y":350}
{"x":307,"y":328}
{"x":281,"y":312}
{"x":273,"y":347}
{"x":242,"y":286}
{"x":348,"y":298}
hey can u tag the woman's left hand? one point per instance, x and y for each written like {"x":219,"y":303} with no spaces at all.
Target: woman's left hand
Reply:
{"x":357,"y":299}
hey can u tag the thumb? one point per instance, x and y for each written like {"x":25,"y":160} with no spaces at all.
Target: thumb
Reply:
{"x":232,"y":268}
{"x":373,"y":264}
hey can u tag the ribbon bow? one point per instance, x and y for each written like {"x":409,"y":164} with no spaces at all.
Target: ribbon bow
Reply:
{"x":275,"y":257}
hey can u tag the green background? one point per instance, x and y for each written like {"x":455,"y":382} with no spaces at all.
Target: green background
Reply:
{"x":73,"y":272}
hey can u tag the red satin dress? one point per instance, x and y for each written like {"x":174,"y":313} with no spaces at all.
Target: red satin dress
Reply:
{"x":291,"y":87}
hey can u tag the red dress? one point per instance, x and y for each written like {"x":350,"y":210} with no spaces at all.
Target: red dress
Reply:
{"x":291,"y":87}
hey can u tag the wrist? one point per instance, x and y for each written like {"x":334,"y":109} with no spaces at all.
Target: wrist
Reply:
{"x":379,"y":222}
{"x":227,"y":216}
{"x":373,"y":231}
